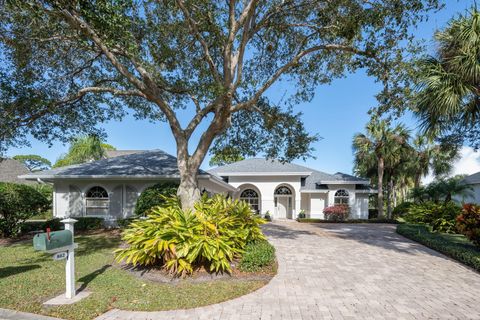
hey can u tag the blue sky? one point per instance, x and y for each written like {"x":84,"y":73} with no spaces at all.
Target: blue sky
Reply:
{"x":337,"y":112}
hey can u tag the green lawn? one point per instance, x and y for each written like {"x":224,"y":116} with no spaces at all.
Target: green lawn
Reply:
{"x":455,"y":246}
{"x":28,"y":278}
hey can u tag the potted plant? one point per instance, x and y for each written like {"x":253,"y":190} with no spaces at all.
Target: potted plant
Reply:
{"x":301,"y":214}
{"x":267,"y":216}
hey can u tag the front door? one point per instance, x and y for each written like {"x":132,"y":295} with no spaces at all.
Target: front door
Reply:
{"x":282,"y":207}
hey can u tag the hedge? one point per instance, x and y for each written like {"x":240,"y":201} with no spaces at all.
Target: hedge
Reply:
{"x":378,"y":220}
{"x":82,"y":224}
{"x":453,"y":245}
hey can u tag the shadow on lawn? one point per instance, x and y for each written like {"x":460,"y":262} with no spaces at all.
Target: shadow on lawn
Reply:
{"x":11,"y":271}
{"x":91,"y":276}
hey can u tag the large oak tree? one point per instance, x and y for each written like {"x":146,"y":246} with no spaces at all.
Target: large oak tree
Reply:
{"x":68,"y":65}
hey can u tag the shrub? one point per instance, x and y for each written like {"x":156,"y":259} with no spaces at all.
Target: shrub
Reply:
{"x":154,"y":196}
{"x":82,"y":224}
{"x":468,"y":223}
{"x":257,"y":255}
{"x":211,"y":235}
{"x":88,"y":223}
{"x":440,"y":217}
{"x":337,"y":212}
{"x":452,"y":245}
{"x":18,"y":203}
{"x":402,"y":209}
{"x":372,"y":213}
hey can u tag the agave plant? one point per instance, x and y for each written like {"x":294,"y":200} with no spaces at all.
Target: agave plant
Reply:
{"x":211,"y":235}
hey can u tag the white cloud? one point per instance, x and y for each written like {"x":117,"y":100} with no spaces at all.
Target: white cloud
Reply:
{"x":469,"y":163}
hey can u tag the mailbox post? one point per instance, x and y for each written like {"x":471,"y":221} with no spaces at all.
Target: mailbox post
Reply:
{"x":61,"y":244}
{"x":70,"y":265}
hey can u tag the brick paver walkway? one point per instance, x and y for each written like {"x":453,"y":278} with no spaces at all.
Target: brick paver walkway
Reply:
{"x":333,"y":271}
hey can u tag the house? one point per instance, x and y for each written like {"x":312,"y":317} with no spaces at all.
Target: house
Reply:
{"x":285,"y":189}
{"x":474,"y":181}
{"x":11,"y":169}
{"x":110,"y":187}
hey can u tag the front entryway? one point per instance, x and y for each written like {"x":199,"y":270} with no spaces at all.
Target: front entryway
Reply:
{"x":283,"y":203}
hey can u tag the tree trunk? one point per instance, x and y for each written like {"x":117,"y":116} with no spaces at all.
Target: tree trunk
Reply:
{"x":188,"y":190}
{"x":381,"y":165}
{"x":395,"y":194}
{"x":389,"y":198}
{"x":418,"y":177}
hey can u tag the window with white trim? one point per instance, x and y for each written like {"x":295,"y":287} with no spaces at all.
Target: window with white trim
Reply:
{"x":97,"y":202}
{"x":341,"y":197}
{"x":250,"y":196}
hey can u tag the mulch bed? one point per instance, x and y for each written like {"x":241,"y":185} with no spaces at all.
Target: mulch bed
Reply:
{"x":158,"y":274}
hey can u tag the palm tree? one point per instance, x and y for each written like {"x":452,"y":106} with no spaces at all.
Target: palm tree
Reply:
{"x":448,"y":84}
{"x":379,"y":144}
{"x":84,"y":149}
{"x":427,"y":157}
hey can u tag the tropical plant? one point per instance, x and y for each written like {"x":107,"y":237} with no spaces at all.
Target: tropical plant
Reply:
{"x":468,"y":223}
{"x":18,"y":203}
{"x":154,"y":196}
{"x":33,"y":162}
{"x":372,"y":150}
{"x":337,"y":212}
{"x":69,"y":65}
{"x":83,"y":149}
{"x":401,"y":209}
{"x":448,"y":96}
{"x":211,"y":235}
{"x":442,"y":190}
{"x":440,"y":217}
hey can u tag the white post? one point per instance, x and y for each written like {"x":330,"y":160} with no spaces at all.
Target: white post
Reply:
{"x":70,"y":265}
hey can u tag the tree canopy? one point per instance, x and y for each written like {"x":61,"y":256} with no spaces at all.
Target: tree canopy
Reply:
{"x":448,"y":100}
{"x":69,"y":65}
{"x":33,"y":162}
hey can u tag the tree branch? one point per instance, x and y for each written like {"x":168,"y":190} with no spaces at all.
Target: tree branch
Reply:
{"x":294,"y":61}
{"x":196,"y":33}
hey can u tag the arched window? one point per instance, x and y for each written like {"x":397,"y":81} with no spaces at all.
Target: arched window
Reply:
{"x":97,"y":201}
{"x":250,"y":196}
{"x":341,"y":197}
{"x":283,"y":191}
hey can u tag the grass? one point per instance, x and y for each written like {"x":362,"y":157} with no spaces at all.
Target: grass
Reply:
{"x":28,"y":278}
{"x":455,"y":246}
{"x":375,"y":220}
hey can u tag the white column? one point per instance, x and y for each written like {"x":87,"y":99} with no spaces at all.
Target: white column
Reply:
{"x":70,"y":291}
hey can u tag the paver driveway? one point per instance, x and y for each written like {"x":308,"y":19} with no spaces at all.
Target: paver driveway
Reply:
{"x":334,"y":271}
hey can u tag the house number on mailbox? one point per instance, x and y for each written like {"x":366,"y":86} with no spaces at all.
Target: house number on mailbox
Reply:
{"x":60,"y":255}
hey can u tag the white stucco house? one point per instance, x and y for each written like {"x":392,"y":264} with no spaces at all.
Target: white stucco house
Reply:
{"x":473,"y":181}
{"x":109,"y":188}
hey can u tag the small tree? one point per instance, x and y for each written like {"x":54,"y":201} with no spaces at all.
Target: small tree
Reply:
{"x":18,"y":203}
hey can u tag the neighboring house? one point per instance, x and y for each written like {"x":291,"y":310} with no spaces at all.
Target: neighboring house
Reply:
{"x":11,"y":169}
{"x":284,"y":189}
{"x":110,"y":187}
{"x":474,"y":181}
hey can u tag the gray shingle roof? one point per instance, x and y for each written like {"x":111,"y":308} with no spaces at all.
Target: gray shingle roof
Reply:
{"x":153,"y":163}
{"x":10,"y":169}
{"x":473,"y":179}
{"x":259,"y":165}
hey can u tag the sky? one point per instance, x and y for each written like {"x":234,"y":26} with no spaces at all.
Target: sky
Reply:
{"x":337,"y":112}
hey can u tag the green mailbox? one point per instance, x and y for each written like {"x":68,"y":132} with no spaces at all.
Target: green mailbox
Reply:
{"x":52,"y":240}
